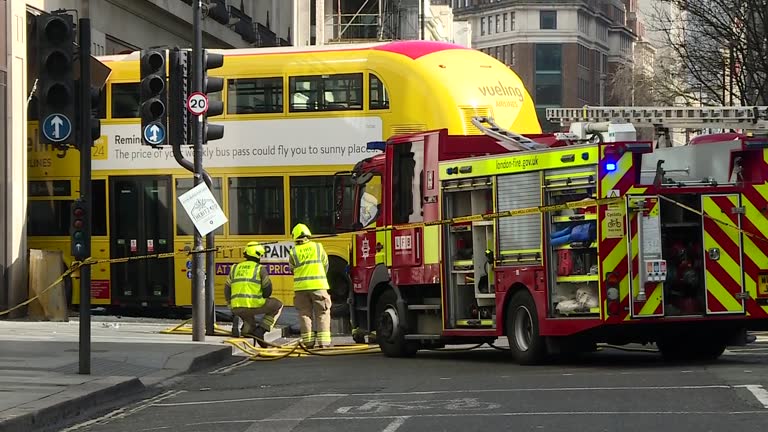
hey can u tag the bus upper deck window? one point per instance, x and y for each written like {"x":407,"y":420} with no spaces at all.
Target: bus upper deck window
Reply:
{"x":378,"y":97}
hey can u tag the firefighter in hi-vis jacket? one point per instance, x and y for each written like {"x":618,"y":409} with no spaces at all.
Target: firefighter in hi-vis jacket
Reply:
{"x":309,"y":264}
{"x":248,"y":291}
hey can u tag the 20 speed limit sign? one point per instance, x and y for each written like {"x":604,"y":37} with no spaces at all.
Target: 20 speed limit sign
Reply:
{"x":197,"y":103}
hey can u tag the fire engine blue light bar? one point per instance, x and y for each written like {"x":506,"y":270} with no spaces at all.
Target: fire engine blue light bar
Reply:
{"x":376,"y":145}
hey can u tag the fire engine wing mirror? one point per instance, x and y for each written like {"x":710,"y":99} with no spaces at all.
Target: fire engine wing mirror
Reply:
{"x":363,"y":178}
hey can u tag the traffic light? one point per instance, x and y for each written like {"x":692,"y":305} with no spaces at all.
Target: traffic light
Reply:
{"x":77,"y":229}
{"x":95,"y":124}
{"x":95,"y":105}
{"x":153,"y":97}
{"x":212,"y":132}
{"x":56,"y":83}
{"x":178,"y":88}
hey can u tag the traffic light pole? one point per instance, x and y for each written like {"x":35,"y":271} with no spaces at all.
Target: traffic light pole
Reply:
{"x":85,"y":144}
{"x":198,"y":261}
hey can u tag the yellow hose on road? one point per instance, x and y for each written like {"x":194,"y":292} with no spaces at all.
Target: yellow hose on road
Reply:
{"x":297,"y":349}
{"x":184,"y":329}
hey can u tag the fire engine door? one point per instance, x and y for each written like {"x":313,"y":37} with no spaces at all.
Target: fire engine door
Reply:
{"x":724,"y":275}
{"x":647,"y":268}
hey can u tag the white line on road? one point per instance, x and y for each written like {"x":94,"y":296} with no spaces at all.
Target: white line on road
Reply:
{"x":503,"y":414}
{"x":435,"y":392}
{"x":126,"y":411}
{"x":225,"y":369}
{"x":395,"y":425}
{"x":759,"y":392}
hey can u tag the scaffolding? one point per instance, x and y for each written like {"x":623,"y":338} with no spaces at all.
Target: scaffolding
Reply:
{"x":379,"y":20}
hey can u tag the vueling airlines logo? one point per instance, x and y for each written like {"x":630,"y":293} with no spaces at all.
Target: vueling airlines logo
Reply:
{"x":502,"y":90}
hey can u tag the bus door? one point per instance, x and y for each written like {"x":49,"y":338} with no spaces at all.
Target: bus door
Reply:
{"x":141,"y":223}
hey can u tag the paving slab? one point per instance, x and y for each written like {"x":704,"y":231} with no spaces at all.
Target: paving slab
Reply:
{"x":39,"y":363}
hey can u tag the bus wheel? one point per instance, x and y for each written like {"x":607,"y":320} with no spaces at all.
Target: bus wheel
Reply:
{"x":525,"y":343}
{"x":389,"y":334}
{"x":340,"y":285}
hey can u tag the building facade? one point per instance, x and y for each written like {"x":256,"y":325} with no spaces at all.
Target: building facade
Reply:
{"x":564,"y":50}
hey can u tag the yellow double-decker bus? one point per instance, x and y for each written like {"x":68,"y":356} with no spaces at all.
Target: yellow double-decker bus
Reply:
{"x":293,"y":117}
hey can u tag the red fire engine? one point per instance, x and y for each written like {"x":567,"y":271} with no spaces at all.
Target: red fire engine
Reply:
{"x":563,"y":241}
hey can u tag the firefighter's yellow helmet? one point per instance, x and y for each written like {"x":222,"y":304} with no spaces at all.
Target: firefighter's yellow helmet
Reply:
{"x":300,"y":230}
{"x":254,"y":250}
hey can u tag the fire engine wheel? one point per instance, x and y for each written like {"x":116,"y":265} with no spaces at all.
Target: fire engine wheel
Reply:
{"x":389,"y":334}
{"x":691,"y":349}
{"x":340,"y":285}
{"x":525,"y":343}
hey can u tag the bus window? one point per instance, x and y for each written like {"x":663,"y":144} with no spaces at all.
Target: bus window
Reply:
{"x":377,"y":94}
{"x":255,"y":95}
{"x":99,"y":208}
{"x":184,"y":224}
{"x":48,"y":217}
{"x":312,"y":202}
{"x":52,"y":217}
{"x":125,"y":100}
{"x":341,"y":92}
{"x":256,"y":206}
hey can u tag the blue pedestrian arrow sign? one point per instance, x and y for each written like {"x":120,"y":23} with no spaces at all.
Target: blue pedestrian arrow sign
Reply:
{"x":57,"y":127}
{"x":154,"y":134}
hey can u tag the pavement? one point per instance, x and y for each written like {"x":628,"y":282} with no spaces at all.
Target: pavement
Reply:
{"x":479,"y":390}
{"x":39,"y":362}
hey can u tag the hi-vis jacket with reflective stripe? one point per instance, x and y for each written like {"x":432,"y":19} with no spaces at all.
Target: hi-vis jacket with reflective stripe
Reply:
{"x":245,"y":282}
{"x":309,"y":263}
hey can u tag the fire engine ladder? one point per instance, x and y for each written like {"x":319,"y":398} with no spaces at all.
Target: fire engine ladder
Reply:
{"x":510,"y":140}
{"x":747,"y":118}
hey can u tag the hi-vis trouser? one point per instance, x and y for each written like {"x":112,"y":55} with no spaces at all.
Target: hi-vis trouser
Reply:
{"x":271,"y":309}
{"x":317,"y":302}
{"x":311,"y":297}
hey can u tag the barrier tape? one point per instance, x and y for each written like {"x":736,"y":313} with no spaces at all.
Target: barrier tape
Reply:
{"x":710,"y":217}
{"x":76,"y":265}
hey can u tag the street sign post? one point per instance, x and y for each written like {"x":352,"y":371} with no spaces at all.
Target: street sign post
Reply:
{"x":202,"y":208}
{"x":197,"y":103}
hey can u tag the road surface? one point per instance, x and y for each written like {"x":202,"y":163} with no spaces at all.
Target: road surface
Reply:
{"x":460,"y":391}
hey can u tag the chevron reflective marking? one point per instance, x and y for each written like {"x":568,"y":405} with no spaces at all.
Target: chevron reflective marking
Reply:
{"x":652,"y":306}
{"x":722,"y":255}
{"x":755,"y":222}
{"x":615,"y":250}
{"x":611,"y":181}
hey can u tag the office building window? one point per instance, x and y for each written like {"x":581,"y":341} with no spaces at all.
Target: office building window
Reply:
{"x":548,"y":20}
{"x":548,"y":85}
{"x":584,"y":22}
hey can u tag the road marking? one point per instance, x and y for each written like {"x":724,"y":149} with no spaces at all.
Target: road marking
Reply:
{"x":506,"y":414}
{"x":758,"y":392}
{"x":291,"y":416}
{"x":436,"y":392}
{"x":395,"y":425}
{"x":126,"y":411}
{"x":378,"y":406}
{"x":230,"y":368}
